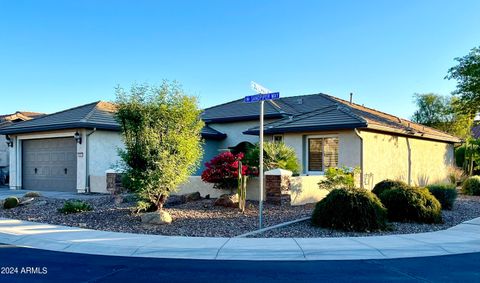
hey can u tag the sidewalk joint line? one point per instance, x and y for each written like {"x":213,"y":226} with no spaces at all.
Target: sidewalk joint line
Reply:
{"x":303,"y":252}
{"x":219,"y":249}
{"x":370,"y":246}
{"x":424,"y":242}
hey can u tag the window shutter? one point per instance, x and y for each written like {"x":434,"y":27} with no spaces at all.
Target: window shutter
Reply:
{"x":315,"y":157}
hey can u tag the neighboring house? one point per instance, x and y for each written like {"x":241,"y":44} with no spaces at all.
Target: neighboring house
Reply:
{"x":68,"y":150}
{"x":476,"y":131}
{"x":72,"y":149}
{"x":7,"y":120}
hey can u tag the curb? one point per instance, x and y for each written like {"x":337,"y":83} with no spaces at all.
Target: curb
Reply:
{"x":463,"y":238}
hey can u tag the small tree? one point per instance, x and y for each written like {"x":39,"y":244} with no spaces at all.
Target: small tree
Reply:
{"x":275,"y":155}
{"x":337,"y":178}
{"x":161,"y":131}
{"x":223,"y":172}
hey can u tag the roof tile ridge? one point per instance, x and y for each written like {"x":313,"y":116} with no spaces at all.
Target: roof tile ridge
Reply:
{"x":303,"y":115}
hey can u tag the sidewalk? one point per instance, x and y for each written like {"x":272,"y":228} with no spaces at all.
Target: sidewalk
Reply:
{"x":463,"y":238}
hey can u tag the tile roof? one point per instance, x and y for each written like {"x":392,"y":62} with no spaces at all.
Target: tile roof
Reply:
{"x":237,"y":110}
{"x":99,"y":114}
{"x":9,"y":119}
{"x":333,"y":113}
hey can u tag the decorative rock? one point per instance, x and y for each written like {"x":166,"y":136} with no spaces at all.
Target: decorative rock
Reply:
{"x":191,"y":197}
{"x":227,"y":200}
{"x":158,"y":217}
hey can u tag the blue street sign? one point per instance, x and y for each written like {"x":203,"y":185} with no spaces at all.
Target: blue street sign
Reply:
{"x":260,"y":97}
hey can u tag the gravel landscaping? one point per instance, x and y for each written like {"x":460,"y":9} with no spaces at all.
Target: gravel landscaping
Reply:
{"x":201,"y":218}
{"x":198,"y":218}
{"x":465,"y":208}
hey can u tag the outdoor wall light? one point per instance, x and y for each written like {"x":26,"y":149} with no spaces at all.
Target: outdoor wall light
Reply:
{"x":78,"y":137}
{"x":9,"y":141}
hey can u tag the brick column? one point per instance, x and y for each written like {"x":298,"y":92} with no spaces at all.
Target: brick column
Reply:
{"x":277,"y":186}
{"x":114,"y":182}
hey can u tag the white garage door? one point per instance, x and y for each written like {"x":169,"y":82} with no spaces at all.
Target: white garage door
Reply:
{"x":49,"y":165}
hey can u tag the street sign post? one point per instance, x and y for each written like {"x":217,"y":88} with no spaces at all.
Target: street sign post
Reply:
{"x":263,"y":94}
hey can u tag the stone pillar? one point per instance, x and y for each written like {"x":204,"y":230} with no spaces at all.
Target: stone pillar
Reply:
{"x":277,"y":186}
{"x":114,"y":182}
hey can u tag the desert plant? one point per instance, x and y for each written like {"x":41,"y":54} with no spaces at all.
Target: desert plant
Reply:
{"x":161,"y":130}
{"x":11,"y":202}
{"x":74,"y":206}
{"x":411,"y":205}
{"x":446,"y":194}
{"x":471,"y":186}
{"x":242,"y":187}
{"x":336,"y":178}
{"x":275,"y":155}
{"x":350,"y":210}
{"x":222,"y":170}
{"x":456,"y":175}
{"x":32,"y":195}
{"x":388,"y":185}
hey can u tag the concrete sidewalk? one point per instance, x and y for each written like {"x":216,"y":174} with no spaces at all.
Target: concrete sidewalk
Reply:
{"x":463,"y":238}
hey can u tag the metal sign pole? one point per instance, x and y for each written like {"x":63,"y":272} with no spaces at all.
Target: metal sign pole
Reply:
{"x":260,"y":170}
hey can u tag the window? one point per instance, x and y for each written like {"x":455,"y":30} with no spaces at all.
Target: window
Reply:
{"x":322,"y":153}
{"x":277,"y":138}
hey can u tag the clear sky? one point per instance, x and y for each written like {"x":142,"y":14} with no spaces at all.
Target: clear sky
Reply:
{"x":60,"y":54}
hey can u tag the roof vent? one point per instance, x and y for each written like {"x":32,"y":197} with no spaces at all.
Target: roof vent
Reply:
{"x":299,"y":100}
{"x":290,"y":117}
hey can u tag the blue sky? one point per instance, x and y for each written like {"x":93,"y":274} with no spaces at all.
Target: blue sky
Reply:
{"x":59,"y":54}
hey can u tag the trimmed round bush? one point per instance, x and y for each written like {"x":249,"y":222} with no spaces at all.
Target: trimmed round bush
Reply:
{"x":471,"y":186}
{"x":32,"y":195}
{"x":388,"y":185}
{"x":11,"y":202}
{"x":446,"y":194}
{"x":350,"y":210}
{"x":412,"y":205}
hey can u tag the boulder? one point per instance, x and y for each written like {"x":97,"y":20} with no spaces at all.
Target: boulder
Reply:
{"x":191,"y":197}
{"x":40,"y":203}
{"x":157,"y":217}
{"x":227,"y":200}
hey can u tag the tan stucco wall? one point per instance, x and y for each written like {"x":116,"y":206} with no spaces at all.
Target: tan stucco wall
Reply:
{"x":348,"y":146}
{"x":103,"y":155}
{"x":304,"y":189}
{"x":387,"y":157}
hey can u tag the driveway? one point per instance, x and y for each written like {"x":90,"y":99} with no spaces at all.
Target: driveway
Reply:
{"x":5,"y":192}
{"x":71,"y":267}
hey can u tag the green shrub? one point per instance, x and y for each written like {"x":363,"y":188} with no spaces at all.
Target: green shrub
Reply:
{"x":75,"y":206}
{"x":388,"y":185}
{"x":32,"y":195}
{"x":446,"y":194}
{"x":275,"y":155}
{"x":411,"y":205}
{"x":350,"y":210}
{"x":471,"y":186}
{"x":335,"y":178}
{"x":11,"y":202}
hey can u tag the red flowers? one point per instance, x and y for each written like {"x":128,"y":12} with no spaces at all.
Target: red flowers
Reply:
{"x":222,"y":170}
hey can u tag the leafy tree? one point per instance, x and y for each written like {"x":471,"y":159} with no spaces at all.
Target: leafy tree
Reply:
{"x":275,"y":155}
{"x":223,"y":170}
{"x":467,"y":74}
{"x":161,"y":131}
{"x":441,"y":112}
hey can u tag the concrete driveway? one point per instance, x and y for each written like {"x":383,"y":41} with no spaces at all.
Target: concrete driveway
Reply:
{"x":5,"y":192}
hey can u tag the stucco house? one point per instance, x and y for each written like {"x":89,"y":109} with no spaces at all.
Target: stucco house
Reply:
{"x":71,"y":150}
{"x":7,"y":120}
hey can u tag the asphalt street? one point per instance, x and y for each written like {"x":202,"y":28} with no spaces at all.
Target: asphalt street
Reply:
{"x":32,"y":265}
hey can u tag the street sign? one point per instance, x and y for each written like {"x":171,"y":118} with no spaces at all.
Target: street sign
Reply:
{"x":260,"y":97}
{"x":263,"y":94}
{"x":259,"y":88}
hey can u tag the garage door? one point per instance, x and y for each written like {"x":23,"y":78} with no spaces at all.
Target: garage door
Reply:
{"x":49,"y":165}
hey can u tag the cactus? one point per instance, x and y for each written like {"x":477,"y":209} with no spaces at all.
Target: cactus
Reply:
{"x":11,"y":202}
{"x":242,"y":188}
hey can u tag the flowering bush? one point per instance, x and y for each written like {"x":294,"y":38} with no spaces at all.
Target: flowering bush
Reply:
{"x":222,"y":170}
{"x":336,"y":178}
